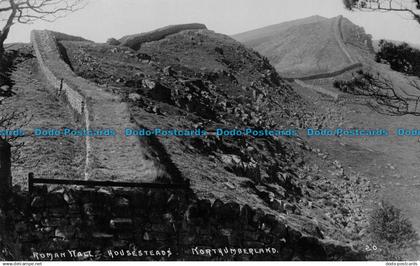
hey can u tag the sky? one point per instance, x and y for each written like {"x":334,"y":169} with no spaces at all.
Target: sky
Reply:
{"x":102,"y":19}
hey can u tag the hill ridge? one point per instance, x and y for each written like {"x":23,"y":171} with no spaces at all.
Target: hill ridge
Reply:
{"x":310,"y":48}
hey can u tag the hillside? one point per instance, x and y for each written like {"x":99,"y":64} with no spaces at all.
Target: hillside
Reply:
{"x":200,"y":79}
{"x":243,"y":192}
{"x":306,"y":47}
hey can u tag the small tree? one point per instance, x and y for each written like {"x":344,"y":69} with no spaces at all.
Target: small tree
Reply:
{"x":411,"y":7}
{"x":381,"y":93}
{"x":28,"y":11}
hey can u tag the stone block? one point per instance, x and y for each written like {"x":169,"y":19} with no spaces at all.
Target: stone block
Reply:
{"x":121,"y":224}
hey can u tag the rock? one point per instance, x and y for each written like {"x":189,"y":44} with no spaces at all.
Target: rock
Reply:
{"x":105,"y":191}
{"x":122,"y":202}
{"x":88,"y":209}
{"x":144,"y":57}
{"x":37,"y":202}
{"x":277,"y":205}
{"x":146,"y":236}
{"x":57,"y":212}
{"x":21,"y":227}
{"x":134,"y":97}
{"x":246,"y":214}
{"x":102,"y":235}
{"x":121,"y":223}
{"x":289,"y":207}
{"x":161,"y":93}
{"x":279,"y":229}
{"x":168,"y":71}
{"x":119,"y":243}
{"x":60,"y":234}
{"x":363,"y":232}
{"x":230,"y":185}
{"x":6,"y":90}
{"x":68,"y":197}
{"x":230,"y":159}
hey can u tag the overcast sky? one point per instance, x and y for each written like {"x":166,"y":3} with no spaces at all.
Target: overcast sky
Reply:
{"x":102,"y":19}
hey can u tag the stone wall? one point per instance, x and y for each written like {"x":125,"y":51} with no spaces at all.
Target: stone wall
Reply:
{"x":356,"y":36}
{"x":353,"y":64}
{"x":56,"y":71}
{"x":338,"y":33}
{"x":106,"y":224}
{"x":327,"y":74}
{"x":62,"y":79}
{"x":135,"y":41}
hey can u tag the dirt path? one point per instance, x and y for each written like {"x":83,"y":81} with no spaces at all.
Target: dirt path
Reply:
{"x":119,"y":157}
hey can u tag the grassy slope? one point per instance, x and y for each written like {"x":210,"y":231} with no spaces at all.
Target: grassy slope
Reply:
{"x":392,"y":162}
{"x":302,"y":47}
{"x":47,"y":157}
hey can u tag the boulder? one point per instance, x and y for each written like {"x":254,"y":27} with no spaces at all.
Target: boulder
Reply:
{"x":134,"y":97}
{"x":160,"y":93}
{"x":5,"y":88}
{"x":277,"y":205}
{"x":121,"y":223}
{"x":142,"y":57}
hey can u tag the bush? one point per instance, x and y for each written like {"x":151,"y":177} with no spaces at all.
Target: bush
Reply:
{"x":401,"y":58}
{"x":392,"y":233}
{"x":388,"y":224}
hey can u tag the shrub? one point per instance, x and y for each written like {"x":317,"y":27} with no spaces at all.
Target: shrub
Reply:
{"x":402,"y":58}
{"x":392,"y":233}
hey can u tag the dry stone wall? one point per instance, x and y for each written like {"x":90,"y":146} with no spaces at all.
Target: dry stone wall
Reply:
{"x":59,"y":75}
{"x":135,"y":41}
{"x":148,"y":224}
{"x":56,"y":71}
{"x":328,"y":74}
{"x":340,"y":39}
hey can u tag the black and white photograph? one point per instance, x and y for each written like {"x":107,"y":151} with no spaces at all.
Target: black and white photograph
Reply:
{"x":209,"y":130}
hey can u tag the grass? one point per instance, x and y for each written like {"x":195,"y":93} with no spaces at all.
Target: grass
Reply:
{"x":300,"y":48}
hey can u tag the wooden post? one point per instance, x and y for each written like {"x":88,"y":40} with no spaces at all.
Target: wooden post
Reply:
{"x":5,"y":166}
{"x":30,"y":182}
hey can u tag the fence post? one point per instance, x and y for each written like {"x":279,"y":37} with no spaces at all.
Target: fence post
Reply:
{"x":5,"y":167}
{"x":30,"y":182}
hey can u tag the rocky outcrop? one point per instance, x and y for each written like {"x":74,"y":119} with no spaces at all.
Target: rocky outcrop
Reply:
{"x":135,"y":41}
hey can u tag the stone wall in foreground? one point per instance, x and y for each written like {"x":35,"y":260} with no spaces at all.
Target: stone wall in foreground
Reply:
{"x":150,"y":224}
